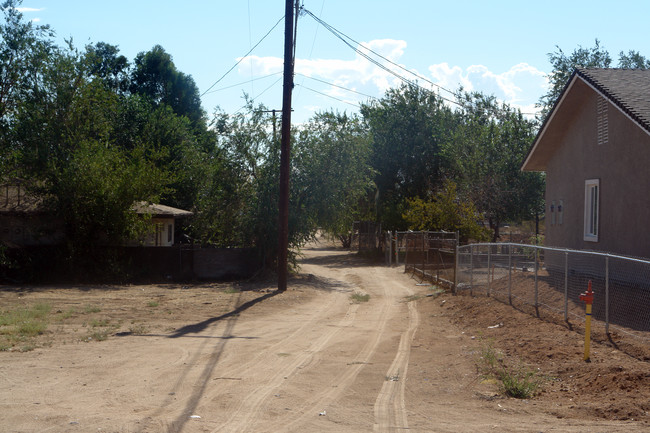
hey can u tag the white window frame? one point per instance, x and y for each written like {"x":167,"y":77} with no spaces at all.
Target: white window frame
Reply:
{"x":592,"y":210}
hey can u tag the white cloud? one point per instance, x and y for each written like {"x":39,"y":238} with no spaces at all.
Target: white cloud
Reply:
{"x":520,"y":86}
{"x":23,"y":9}
{"x":356,"y":73}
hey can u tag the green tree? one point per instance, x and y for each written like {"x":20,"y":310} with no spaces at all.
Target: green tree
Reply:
{"x":24,"y":51}
{"x":563,"y":66}
{"x":445,"y":210}
{"x":484,"y":158}
{"x":408,"y":127}
{"x":103,"y":61}
{"x":332,"y":174}
{"x":155,"y":76}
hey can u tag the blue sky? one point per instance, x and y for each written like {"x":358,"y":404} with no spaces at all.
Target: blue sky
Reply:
{"x":499,"y":47}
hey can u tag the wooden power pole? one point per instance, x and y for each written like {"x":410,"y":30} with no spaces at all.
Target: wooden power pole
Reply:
{"x":285,"y":147}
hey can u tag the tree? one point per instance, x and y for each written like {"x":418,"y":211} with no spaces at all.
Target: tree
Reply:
{"x":596,"y":57}
{"x":24,"y":51}
{"x":332,"y":174}
{"x":484,"y":158}
{"x":408,"y":127}
{"x":103,"y":61}
{"x":445,"y":210}
{"x":155,"y":76}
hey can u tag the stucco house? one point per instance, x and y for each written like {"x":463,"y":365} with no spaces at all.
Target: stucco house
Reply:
{"x":163,"y":218}
{"x":595,"y":149}
{"x":25,"y":222}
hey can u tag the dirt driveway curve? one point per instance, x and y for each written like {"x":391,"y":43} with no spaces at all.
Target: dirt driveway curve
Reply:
{"x":307,"y":360}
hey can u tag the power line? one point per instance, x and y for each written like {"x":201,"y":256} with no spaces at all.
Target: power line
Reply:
{"x":243,"y":57}
{"x":243,"y":82}
{"x":263,"y":92}
{"x":344,"y":38}
{"x":336,"y":85}
{"x":330,"y":96}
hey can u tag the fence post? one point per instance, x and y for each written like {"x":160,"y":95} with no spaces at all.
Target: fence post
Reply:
{"x":406,"y":250}
{"x":489,"y":247}
{"x":471,"y":270}
{"x":566,"y":286}
{"x":607,"y":294}
{"x":396,"y":248}
{"x":423,"y":266}
{"x":510,"y":273}
{"x":389,"y":235}
{"x":454,"y":289}
{"x":536,"y":289}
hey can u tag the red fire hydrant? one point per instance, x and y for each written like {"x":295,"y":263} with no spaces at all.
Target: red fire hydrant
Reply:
{"x":588,"y":298}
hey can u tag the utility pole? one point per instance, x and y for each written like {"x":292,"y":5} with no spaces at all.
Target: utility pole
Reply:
{"x":285,"y":147}
{"x":273,"y":112}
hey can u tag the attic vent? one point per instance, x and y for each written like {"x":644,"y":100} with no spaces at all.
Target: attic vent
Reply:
{"x":602,"y":121}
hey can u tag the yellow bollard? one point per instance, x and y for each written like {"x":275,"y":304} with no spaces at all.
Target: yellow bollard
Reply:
{"x":588,"y":298}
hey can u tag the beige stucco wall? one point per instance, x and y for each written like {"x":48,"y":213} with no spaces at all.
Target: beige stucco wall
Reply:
{"x":162,"y":234}
{"x":623,"y":167}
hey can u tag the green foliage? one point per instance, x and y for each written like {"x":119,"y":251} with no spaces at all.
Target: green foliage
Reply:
{"x":408,"y":127}
{"x":331,"y":175}
{"x":22,"y":324}
{"x":485,"y":156}
{"x":514,"y":381}
{"x":446,"y":211}
{"x":359,"y":297}
{"x":595,"y":57}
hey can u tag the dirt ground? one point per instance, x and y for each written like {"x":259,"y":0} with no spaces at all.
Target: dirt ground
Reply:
{"x":238,"y":357}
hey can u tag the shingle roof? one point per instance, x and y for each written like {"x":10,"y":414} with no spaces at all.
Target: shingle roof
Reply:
{"x":159,"y":210}
{"x":629,"y":89}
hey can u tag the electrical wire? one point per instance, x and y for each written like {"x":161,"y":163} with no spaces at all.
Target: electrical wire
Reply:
{"x":263,"y":91}
{"x":243,"y":57}
{"x":243,"y":82}
{"x":330,"y":96}
{"x":336,"y":85}
{"x":344,"y":38}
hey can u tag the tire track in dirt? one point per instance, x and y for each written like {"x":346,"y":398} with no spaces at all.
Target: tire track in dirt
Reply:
{"x":250,"y":407}
{"x":344,"y":381}
{"x":390,"y":406}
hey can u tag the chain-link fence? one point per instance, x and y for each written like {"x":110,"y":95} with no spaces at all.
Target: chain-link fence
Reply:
{"x":548,"y":282}
{"x":366,"y":236}
{"x":427,"y":254}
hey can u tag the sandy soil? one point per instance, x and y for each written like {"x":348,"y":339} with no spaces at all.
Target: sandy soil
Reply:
{"x":241,"y":358}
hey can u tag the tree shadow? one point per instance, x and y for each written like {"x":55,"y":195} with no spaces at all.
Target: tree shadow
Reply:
{"x":195,"y":328}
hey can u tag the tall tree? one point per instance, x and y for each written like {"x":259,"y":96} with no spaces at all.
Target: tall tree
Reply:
{"x":563,"y":66}
{"x":407,"y":126}
{"x":484,"y":159}
{"x":24,"y":52}
{"x":155,"y":76}
{"x":332,"y":174}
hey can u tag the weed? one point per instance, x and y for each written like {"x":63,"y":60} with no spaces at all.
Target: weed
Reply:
{"x":359,"y":297}
{"x":152,"y":304}
{"x":232,"y":290}
{"x":138,"y":329}
{"x":92,"y":309}
{"x":98,"y":335}
{"x":68,"y":313}
{"x":514,"y":381}
{"x":96,"y":323}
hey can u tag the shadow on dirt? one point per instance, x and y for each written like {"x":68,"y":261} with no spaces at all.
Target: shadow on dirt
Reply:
{"x":198,"y":327}
{"x":338,"y":259}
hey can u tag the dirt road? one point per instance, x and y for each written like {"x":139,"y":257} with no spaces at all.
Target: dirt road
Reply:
{"x":311,"y":359}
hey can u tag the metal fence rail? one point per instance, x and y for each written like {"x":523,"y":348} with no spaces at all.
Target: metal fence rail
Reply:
{"x":548,"y":281}
{"x":427,"y":253}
